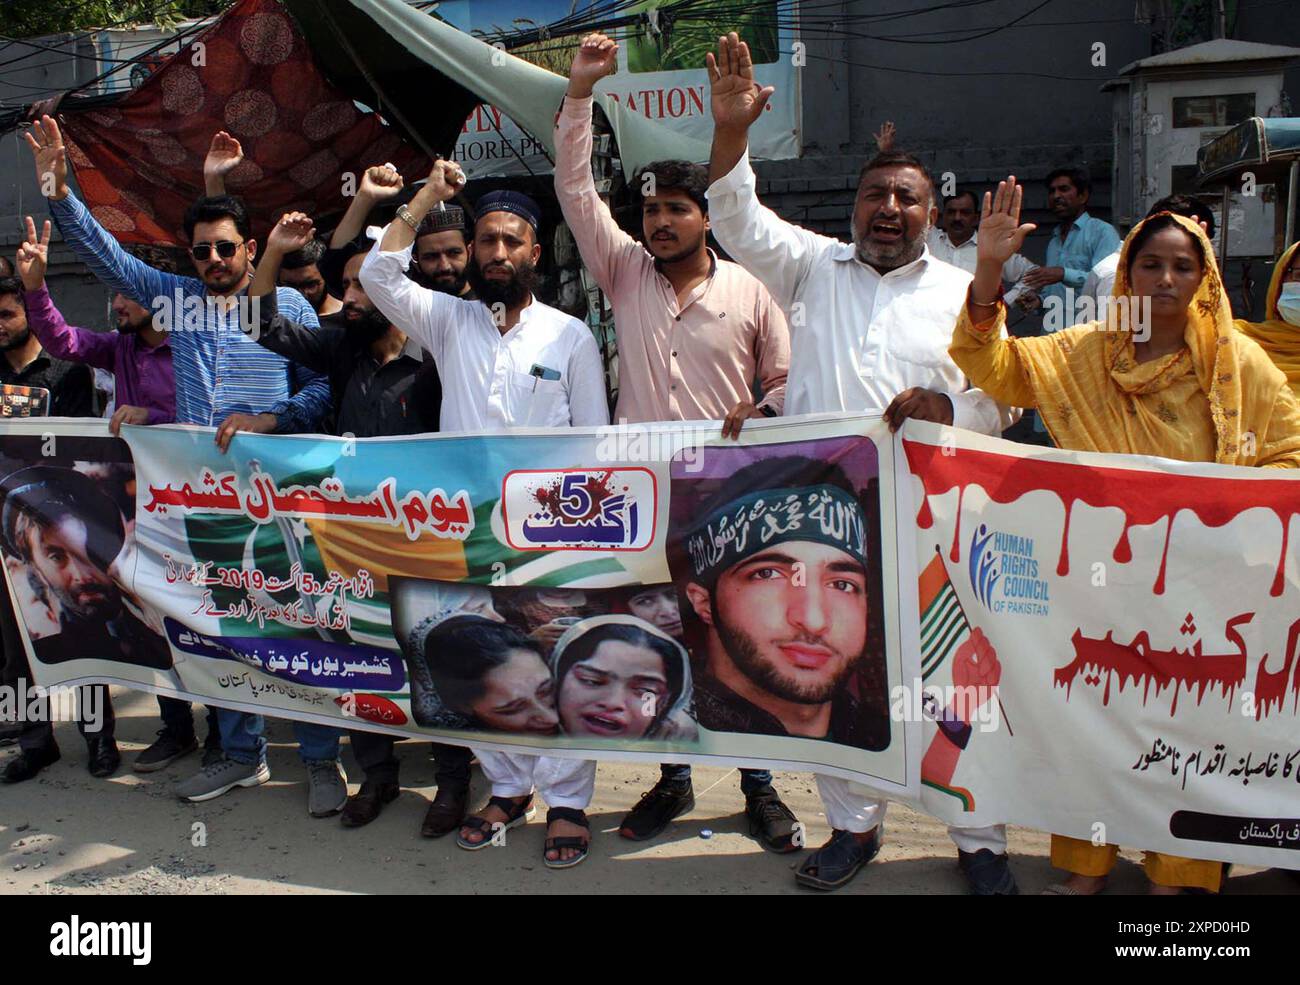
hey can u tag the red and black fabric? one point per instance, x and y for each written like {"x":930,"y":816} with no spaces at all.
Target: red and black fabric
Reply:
{"x":139,"y":162}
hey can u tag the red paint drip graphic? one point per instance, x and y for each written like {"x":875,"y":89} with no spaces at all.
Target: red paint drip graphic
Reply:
{"x":1102,"y":661}
{"x":1138,"y":661}
{"x":1144,"y":498}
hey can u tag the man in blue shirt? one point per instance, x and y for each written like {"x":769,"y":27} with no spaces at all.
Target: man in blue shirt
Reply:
{"x":1078,"y":243}
{"x":222,"y":378}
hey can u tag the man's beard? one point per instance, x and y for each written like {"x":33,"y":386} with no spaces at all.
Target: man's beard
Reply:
{"x":367,"y":328}
{"x":226,"y":280}
{"x":890,"y":256}
{"x":16,"y":341}
{"x":744,"y":654}
{"x":454,"y":285}
{"x":126,"y":327}
{"x":511,"y":293}
{"x":102,"y":610}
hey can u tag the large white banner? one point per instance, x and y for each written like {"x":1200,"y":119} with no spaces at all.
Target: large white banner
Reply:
{"x":1141,"y":619}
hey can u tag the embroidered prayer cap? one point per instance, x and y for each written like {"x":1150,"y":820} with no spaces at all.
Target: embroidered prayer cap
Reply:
{"x":517,"y":203}
{"x":452,"y":219}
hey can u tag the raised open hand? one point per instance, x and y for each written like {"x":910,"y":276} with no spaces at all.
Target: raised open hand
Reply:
{"x":885,"y":136}
{"x":735,"y":98}
{"x":224,"y":155}
{"x":1001,"y":232}
{"x":46,"y":143}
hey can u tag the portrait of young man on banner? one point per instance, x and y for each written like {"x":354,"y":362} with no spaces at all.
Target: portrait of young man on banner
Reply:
{"x":775,"y":555}
{"x":545,"y":661}
{"x":65,"y":526}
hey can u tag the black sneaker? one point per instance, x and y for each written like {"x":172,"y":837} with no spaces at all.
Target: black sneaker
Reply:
{"x":164,"y":750}
{"x":659,"y":805}
{"x":771,"y":822}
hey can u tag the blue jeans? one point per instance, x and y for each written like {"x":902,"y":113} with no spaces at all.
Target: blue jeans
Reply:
{"x":243,"y":741}
{"x":751,"y":781}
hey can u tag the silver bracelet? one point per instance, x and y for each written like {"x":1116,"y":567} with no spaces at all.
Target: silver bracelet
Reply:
{"x":408,"y":217}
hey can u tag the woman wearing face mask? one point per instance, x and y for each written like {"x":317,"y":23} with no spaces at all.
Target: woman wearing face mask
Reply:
{"x":1279,"y":333}
{"x":1194,"y":389}
{"x":618,"y":677}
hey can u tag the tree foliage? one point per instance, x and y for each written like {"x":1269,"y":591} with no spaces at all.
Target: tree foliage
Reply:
{"x":36,"y":18}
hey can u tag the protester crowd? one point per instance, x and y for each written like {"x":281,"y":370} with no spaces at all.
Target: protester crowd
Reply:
{"x":434,"y":324}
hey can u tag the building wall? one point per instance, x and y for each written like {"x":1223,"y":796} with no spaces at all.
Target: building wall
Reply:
{"x":81,"y":297}
{"x":979,"y":126}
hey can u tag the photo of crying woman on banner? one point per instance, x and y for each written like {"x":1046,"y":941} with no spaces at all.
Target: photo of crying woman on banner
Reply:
{"x":67,"y":533}
{"x":542,"y":661}
{"x":775,"y":555}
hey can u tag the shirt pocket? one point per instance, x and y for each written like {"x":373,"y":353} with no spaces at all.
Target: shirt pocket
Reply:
{"x":917,"y":337}
{"x":537,"y":403}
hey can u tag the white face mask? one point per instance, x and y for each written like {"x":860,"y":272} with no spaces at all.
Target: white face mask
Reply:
{"x":1288,"y":303}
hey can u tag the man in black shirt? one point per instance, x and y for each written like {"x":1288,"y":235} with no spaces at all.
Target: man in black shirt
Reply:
{"x":25,"y":363}
{"x":382,"y":384}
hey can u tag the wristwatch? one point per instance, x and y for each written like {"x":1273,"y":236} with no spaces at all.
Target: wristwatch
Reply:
{"x":768,"y":411}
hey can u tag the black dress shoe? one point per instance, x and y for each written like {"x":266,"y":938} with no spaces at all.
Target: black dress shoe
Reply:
{"x":666,"y":800}
{"x":104,"y":759}
{"x":988,"y":874}
{"x":446,"y":812}
{"x":364,"y":805}
{"x":771,"y":822}
{"x":28,"y":763}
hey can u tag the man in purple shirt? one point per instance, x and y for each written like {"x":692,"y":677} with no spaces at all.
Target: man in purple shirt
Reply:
{"x":140,"y":359}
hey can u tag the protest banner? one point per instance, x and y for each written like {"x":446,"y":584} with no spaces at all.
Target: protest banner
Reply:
{"x":1101,"y":646}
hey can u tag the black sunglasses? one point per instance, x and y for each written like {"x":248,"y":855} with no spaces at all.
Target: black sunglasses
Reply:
{"x":225,"y":249}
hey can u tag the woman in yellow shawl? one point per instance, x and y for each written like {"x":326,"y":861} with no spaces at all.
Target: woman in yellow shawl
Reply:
{"x":1279,"y":333}
{"x":1185,"y":385}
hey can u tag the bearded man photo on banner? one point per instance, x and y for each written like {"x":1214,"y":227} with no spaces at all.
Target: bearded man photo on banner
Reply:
{"x":776,"y":573}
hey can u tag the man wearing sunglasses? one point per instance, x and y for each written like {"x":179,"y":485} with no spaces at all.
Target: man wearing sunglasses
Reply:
{"x":223,"y":379}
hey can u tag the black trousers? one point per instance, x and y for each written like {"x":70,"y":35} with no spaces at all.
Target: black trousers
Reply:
{"x":376,"y":755}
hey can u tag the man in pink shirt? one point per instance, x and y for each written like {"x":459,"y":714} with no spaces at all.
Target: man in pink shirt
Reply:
{"x":694,"y":333}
